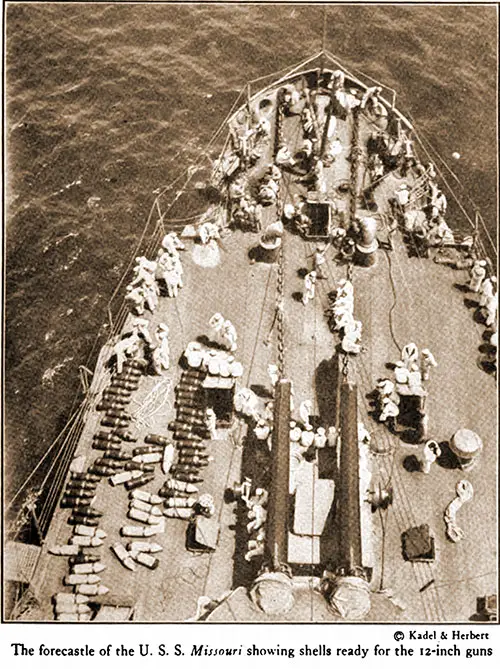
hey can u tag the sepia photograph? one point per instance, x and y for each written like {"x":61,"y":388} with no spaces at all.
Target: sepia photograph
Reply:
{"x":250,"y":313}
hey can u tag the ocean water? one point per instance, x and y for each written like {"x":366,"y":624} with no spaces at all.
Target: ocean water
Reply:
{"x":107,"y":103}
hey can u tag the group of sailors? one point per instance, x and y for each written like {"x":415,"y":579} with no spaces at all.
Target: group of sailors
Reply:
{"x":214,"y":361}
{"x":144,"y":289}
{"x":387,"y":152}
{"x":269,"y":185}
{"x":246,"y":211}
{"x":409,"y":372}
{"x":259,"y":413}
{"x":484,"y":285}
{"x":305,"y":442}
{"x":256,"y":506}
{"x":223,"y":332}
{"x":422,"y":209}
{"x":140,"y":343}
{"x":169,"y":266}
{"x":341,"y":317}
{"x":248,"y":140}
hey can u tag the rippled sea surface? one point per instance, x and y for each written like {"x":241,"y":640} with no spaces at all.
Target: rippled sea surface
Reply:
{"x":106,"y":103}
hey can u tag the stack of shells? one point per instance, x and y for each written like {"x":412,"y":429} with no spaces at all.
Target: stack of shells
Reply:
{"x":190,"y":429}
{"x":144,"y":507}
{"x":80,"y":494}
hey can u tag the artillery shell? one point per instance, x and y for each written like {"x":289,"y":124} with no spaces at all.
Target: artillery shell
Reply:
{"x":143,"y":547}
{"x":145,"y":559}
{"x":83,"y":520}
{"x":166,"y":492}
{"x":84,"y":477}
{"x":127,"y":374}
{"x":124,"y":385}
{"x":191,"y":452}
{"x":88,"y":568}
{"x":64,"y":550}
{"x":89,"y":531}
{"x":155,"y":448}
{"x":188,"y":478}
{"x":188,"y":443}
{"x":104,"y":464}
{"x":185,"y":469}
{"x":73,"y":617}
{"x":84,"y":558}
{"x":118,"y":392}
{"x":143,"y":467}
{"x":102,"y":435}
{"x":123,"y":555}
{"x":168,"y":459}
{"x":147,"y":458}
{"x":111,"y":398}
{"x":106,"y":446}
{"x":88,"y":511}
{"x":144,"y":506}
{"x":92,"y":590}
{"x":185,"y":403}
{"x":114,"y":422}
{"x":114,"y":454}
{"x":188,"y":435}
{"x":186,"y":413}
{"x":182,"y":425}
{"x":138,"y":482}
{"x":103,"y":470}
{"x":143,"y":531}
{"x":180,"y":502}
{"x":123,"y":477}
{"x":118,"y":413}
{"x":142,"y":516}
{"x":78,"y":540}
{"x":108,"y":406}
{"x":81,"y":485}
{"x":78,"y":579}
{"x":79,"y":492}
{"x":126,"y":435}
{"x":156,"y":439}
{"x":184,"y":514}
{"x":174,"y":484}
{"x":193,"y":373}
{"x":190,"y":396}
{"x":71,"y":502}
{"x":69,"y":597}
{"x":194,"y":460}
{"x":145,"y":496}
{"x":71,"y":607}
{"x":192,"y":422}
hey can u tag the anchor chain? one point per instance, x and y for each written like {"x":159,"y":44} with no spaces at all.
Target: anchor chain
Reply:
{"x":355,"y":156}
{"x":280,"y":295}
{"x":280,"y":312}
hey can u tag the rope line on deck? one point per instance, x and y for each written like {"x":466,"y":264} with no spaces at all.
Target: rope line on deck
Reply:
{"x":394,"y":302}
